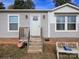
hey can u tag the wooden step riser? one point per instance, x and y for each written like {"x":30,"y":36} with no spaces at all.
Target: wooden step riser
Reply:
{"x":35,"y":45}
{"x":34,"y":40}
{"x":35,"y":48}
{"x":34,"y":51}
{"x":35,"y":36}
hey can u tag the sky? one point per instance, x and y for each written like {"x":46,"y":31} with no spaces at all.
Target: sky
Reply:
{"x":40,"y":4}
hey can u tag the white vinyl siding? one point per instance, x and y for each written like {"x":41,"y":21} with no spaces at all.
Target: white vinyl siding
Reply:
{"x":13,"y":22}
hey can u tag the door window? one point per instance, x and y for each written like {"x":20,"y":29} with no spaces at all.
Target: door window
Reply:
{"x":35,"y":18}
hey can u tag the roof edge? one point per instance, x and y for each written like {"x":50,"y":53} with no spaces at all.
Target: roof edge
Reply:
{"x":27,"y":10}
{"x":67,"y":4}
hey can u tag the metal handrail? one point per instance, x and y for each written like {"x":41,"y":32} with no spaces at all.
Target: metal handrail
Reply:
{"x":42,"y":38}
{"x":28,"y":39}
{"x":22,"y":33}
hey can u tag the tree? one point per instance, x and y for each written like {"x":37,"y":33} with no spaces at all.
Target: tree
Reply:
{"x":21,"y":4}
{"x":29,"y":4}
{"x":61,"y":2}
{"x":2,"y":5}
{"x":11,"y":7}
{"x":18,"y":4}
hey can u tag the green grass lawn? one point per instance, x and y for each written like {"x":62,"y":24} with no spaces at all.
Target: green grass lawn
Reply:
{"x":13,"y":52}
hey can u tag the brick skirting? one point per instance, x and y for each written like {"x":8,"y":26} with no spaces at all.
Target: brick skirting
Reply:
{"x":54,"y":40}
{"x":9,"y":40}
{"x":51,"y":40}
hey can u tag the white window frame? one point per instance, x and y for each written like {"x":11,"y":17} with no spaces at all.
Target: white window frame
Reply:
{"x":56,"y":27}
{"x":66,"y":30}
{"x":18,"y":22}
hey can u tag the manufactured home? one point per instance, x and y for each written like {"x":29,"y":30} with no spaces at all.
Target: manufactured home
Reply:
{"x":60,"y":22}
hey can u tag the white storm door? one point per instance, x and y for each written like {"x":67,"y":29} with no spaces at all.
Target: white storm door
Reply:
{"x":35,"y":27}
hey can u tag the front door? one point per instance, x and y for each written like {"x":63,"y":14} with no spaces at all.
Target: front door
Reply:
{"x":35,"y":25}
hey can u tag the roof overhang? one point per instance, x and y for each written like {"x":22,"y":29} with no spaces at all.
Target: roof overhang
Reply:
{"x":67,"y":4}
{"x":24,"y":10}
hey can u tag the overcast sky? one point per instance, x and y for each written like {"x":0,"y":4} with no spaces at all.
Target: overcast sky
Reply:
{"x":40,"y":4}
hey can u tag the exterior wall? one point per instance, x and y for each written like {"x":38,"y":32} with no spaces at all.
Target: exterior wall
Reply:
{"x":47,"y":24}
{"x":54,"y":34}
{"x":52,"y":21}
{"x":24,"y":22}
{"x":4,"y":33}
{"x":44,"y":24}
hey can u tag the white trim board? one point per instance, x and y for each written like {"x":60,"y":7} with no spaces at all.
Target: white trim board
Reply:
{"x":18,"y":22}
{"x":67,"y":26}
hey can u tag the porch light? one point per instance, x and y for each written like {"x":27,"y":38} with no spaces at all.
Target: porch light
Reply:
{"x":43,"y":16}
{"x":26,"y":16}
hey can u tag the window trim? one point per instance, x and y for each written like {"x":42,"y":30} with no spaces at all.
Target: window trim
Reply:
{"x":9,"y":23}
{"x":66,"y":27}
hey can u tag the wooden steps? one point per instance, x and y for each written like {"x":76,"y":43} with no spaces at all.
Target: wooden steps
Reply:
{"x":35,"y":45}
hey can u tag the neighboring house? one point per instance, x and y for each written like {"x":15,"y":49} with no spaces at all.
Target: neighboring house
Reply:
{"x":60,"y":22}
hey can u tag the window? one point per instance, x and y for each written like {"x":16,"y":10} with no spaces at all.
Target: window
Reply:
{"x":66,"y":23}
{"x":71,"y":23}
{"x":13,"y":23}
{"x":60,"y":23}
{"x":35,"y":18}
